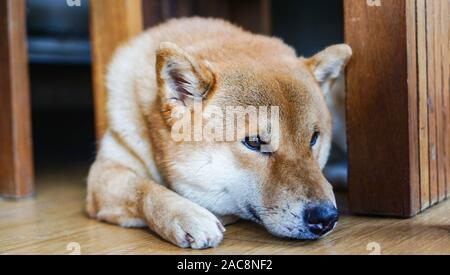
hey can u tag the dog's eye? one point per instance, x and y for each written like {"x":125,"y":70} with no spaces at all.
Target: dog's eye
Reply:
{"x":314,"y":139}
{"x":254,"y":143}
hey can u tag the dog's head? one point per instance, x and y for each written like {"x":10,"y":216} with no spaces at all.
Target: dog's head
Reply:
{"x":269,"y":169}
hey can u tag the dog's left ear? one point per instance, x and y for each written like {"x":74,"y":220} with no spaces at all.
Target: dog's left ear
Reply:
{"x":329,"y":64}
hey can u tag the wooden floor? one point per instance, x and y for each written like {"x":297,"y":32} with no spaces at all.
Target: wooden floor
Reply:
{"x":54,"y":219}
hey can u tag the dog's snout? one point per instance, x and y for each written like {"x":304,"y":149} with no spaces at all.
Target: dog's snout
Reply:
{"x":321,"y":218}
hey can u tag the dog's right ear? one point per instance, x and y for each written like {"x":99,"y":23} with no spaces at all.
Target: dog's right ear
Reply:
{"x":182,"y":79}
{"x":329,"y":64}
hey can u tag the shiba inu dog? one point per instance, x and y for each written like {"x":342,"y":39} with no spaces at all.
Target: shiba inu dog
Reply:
{"x":187,"y":191}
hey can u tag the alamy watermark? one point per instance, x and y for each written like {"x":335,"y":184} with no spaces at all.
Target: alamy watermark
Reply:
{"x":374,"y":248}
{"x":74,"y":248}
{"x":228,"y":124}
{"x":374,"y":3}
{"x":73,"y":3}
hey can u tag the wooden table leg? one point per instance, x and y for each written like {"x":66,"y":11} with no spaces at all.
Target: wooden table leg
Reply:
{"x":112,"y":22}
{"x":16,"y":163}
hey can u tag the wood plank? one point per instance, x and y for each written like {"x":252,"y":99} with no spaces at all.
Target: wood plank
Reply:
{"x":413,"y":122}
{"x":266,"y":17}
{"x":158,"y":11}
{"x":445,"y":17}
{"x":423,"y":104}
{"x":112,"y":22}
{"x":433,"y":102}
{"x":184,"y":8}
{"x":380,"y":174}
{"x":243,"y":13}
{"x":239,"y":12}
{"x":152,"y":12}
{"x":16,"y":161}
{"x":440,"y":111}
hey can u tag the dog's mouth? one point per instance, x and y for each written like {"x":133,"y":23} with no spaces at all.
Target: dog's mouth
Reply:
{"x":289,"y":229}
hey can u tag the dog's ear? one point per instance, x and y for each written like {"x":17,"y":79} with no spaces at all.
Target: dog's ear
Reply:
{"x":329,"y":64}
{"x":181,"y":78}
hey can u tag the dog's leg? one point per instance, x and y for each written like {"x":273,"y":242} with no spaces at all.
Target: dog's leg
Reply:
{"x":118,"y":195}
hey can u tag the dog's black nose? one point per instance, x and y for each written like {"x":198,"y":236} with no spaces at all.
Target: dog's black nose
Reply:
{"x":321,"y":218}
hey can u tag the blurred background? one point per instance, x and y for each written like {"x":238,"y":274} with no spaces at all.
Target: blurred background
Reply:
{"x":60,"y":61}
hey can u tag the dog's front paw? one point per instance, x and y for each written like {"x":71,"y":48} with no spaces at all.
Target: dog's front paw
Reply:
{"x":197,"y":228}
